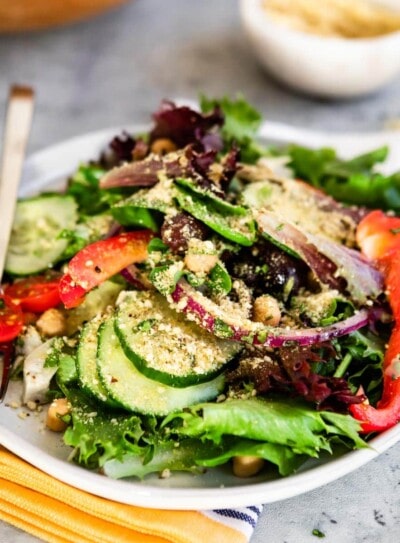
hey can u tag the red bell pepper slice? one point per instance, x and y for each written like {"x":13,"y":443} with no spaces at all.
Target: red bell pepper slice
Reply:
{"x":11,"y":319}
{"x":387,"y":412}
{"x":392,"y":281}
{"x":379,"y":237}
{"x":101,"y":260}
{"x":35,"y":294}
{"x":70,"y":293}
{"x":381,"y":418}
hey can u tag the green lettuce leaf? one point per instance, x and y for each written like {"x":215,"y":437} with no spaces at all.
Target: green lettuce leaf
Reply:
{"x":284,"y":433}
{"x":361,"y":355}
{"x":288,"y":423}
{"x":99,"y":434}
{"x":84,"y":187}
{"x":241,"y":125}
{"x":170,"y":455}
{"x":283,"y":457}
{"x":352,"y":181}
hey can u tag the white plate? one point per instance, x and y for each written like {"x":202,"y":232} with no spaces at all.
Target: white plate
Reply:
{"x":27,"y":437}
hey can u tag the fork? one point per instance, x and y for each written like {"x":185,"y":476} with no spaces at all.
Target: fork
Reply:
{"x":16,"y":133}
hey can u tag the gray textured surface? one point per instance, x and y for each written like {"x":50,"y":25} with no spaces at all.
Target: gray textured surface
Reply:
{"x":113,"y":71}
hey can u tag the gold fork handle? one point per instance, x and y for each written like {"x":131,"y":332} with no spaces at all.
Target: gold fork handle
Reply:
{"x":16,"y":133}
{"x":17,"y":128}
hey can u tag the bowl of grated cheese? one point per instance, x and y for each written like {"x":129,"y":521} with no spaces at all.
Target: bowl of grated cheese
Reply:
{"x":330,"y":49}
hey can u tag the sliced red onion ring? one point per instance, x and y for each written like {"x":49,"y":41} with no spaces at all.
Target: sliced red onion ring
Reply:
{"x":114,"y":229}
{"x":215,"y":320}
{"x":144,"y":173}
{"x":331,"y":262}
{"x":131,"y":274}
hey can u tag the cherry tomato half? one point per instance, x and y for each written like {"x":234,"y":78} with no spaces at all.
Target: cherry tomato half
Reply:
{"x":35,"y":294}
{"x":11,"y":319}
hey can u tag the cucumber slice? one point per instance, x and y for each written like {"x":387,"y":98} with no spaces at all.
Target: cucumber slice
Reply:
{"x":34,"y":243}
{"x":136,"y":392}
{"x":96,"y":302}
{"x":165,"y":346}
{"x":86,"y":361}
{"x":258,"y":194}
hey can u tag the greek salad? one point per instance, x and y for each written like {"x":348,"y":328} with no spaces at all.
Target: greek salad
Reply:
{"x":195,"y":297}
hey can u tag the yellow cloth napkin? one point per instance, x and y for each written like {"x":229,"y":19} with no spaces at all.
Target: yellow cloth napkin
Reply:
{"x":58,"y":513}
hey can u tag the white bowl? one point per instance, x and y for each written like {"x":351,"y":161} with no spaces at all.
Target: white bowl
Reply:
{"x":322,"y":66}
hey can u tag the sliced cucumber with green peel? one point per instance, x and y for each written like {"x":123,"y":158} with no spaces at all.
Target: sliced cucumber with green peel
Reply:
{"x":257,"y":194}
{"x":136,"y":392}
{"x":86,"y":361}
{"x":96,"y":302}
{"x":165,"y":346}
{"x":34,"y":244}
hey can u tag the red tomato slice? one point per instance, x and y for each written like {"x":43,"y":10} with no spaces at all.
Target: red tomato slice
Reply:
{"x":11,"y":319}
{"x":103,"y":259}
{"x":70,"y":293}
{"x":35,"y":294}
{"x":378,"y":235}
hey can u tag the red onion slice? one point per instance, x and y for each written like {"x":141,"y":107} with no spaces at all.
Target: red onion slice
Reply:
{"x":131,"y":275}
{"x":145,"y":173}
{"x":331,"y":262}
{"x":210,"y":316}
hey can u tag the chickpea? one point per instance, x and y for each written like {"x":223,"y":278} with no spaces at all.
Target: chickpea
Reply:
{"x":201,"y":256}
{"x":200,"y":263}
{"x":247,"y":466}
{"x":266,"y":310}
{"x":52,"y":323}
{"x":162,"y":146}
{"x":58,"y":408}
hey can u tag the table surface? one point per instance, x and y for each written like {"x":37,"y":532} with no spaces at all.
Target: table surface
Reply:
{"x":113,"y":71}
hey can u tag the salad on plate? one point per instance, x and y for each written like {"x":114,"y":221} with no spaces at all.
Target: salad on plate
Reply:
{"x":195,"y":298}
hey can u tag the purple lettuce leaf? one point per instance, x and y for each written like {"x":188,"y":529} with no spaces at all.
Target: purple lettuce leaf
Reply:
{"x":185,"y":126}
{"x":123,"y":146}
{"x":289,"y":371}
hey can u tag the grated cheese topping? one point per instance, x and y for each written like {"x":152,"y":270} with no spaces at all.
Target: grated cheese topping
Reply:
{"x":166,"y":340}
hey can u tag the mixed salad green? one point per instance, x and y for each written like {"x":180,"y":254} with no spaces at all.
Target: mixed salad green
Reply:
{"x":195,"y":301}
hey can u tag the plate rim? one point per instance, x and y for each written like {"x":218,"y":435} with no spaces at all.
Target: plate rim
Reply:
{"x":83,"y":147}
